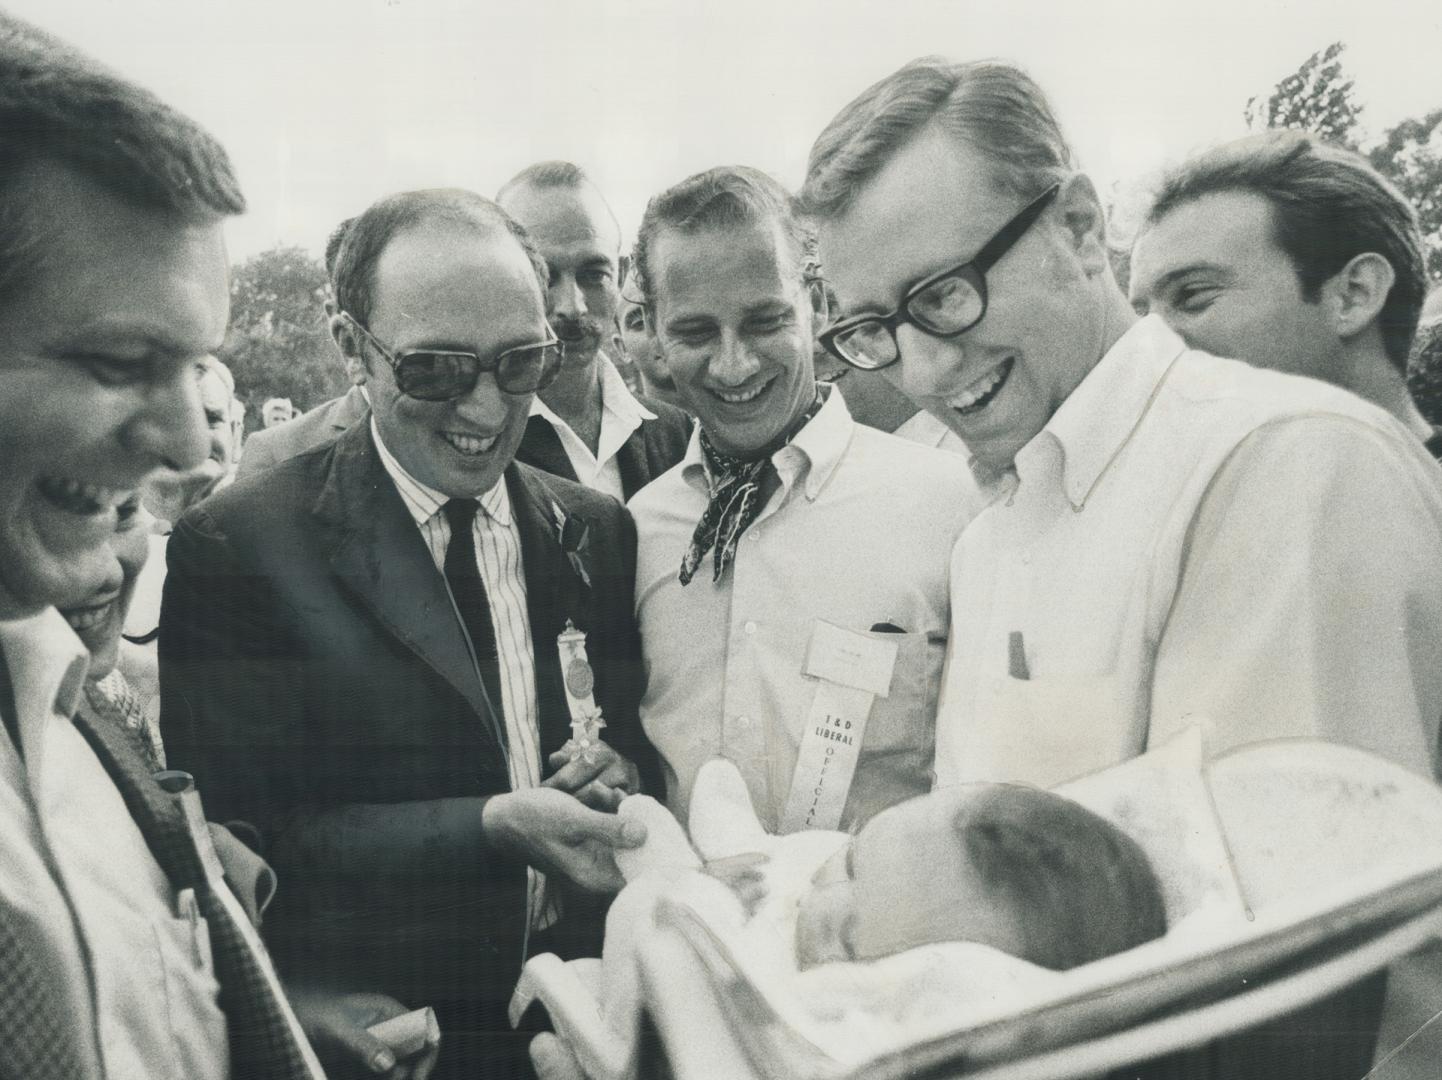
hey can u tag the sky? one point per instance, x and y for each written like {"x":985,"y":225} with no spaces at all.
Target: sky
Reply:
{"x":326,"y":105}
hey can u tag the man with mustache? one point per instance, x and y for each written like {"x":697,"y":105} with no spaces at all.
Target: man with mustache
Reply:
{"x":587,"y":426}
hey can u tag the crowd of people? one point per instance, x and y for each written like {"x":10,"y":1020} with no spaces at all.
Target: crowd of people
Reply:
{"x":914,"y":498}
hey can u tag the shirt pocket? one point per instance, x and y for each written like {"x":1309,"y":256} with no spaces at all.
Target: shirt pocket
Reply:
{"x":1047,"y":730}
{"x":905,"y":720}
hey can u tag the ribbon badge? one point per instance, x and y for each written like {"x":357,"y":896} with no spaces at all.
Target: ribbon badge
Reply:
{"x":580,"y":682}
{"x":573,"y":533}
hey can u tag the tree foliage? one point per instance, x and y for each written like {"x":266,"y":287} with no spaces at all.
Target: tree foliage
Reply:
{"x":278,"y":344}
{"x":1318,"y":97}
{"x":1410,"y":155}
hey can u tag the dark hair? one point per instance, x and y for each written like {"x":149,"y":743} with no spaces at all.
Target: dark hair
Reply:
{"x":332,"y":247}
{"x":728,"y":195}
{"x":383,"y":221}
{"x":1328,"y":206}
{"x":58,"y":105}
{"x":1082,"y":889}
{"x":992,"y":106}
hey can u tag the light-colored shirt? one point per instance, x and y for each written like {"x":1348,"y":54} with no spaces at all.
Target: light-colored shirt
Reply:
{"x":1193,"y":540}
{"x":498,"y":556}
{"x":79,"y":884}
{"x":858,"y":535}
{"x":927,"y":430}
{"x":621,"y":415}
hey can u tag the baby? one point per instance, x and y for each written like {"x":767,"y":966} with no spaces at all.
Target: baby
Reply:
{"x":1020,"y":869}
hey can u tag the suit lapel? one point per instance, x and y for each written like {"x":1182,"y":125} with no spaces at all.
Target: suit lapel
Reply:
{"x":548,"y":577}
{"x":634,"y":463}
{"x":541,"y":448}
{"x":382,"y":557}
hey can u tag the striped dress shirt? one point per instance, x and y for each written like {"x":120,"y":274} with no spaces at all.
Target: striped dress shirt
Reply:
{"x":498,"y":553}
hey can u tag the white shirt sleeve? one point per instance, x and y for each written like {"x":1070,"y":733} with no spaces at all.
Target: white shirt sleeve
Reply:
{"x":1310,"y":597}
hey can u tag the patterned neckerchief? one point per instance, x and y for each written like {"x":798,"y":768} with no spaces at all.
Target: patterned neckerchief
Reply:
{"x":735,"y":486}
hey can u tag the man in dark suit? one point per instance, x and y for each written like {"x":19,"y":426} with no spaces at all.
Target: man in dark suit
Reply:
{"x":587,"y":425}
{"x":360,"y":649}
{"x":122,"y":950}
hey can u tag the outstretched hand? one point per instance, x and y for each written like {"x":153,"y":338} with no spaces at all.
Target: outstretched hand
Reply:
{"x":556,"y":833}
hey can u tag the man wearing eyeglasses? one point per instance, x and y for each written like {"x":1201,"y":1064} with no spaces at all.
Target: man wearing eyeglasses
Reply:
{"x":361,"y":655}
{"x":792,"y":569}
{"x":1183,"y":540}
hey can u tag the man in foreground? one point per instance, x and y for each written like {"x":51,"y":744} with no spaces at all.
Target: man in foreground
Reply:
{"x":1186,"y":540}
{"x":1290,"y":254}
{"x":791,"y":574}
{"x":114,"y":276}
{"x":587,"y":425}
{"x":370,"y":653}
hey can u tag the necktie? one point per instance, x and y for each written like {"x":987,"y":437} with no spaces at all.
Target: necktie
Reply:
{"x":464,"y":575}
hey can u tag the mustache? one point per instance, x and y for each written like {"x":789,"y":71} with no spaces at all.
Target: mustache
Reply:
{"x":587,"y":327}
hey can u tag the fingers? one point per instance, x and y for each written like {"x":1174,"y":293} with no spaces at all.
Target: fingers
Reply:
{"x":600,"y":796}
{"x":574,"y":770}
{"x":553,"y":1060}
{"x":354,"y":1045}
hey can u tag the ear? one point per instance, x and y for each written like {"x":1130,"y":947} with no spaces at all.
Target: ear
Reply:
{"x":1084,"y":222}
{"x":1356,"y":293}
{"x":820,"y":308}
{"x":348,"y":340}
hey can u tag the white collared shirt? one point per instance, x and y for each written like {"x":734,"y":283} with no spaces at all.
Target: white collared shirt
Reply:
{"x":858,"y":534}
{"x":621,"y":415}
{"x":79,"y":885}
{"x":498,"y":556}
{"x":1194,"y":540}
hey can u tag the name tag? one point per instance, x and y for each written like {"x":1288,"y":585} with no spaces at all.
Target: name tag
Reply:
{"x":853,"y":670}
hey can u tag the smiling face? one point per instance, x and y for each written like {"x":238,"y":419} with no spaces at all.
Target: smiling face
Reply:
{"x":460,"y":289}
{"x":97,"y":377}
{"x":931,"y":207}
{"x":98,"y":617}
{"x":736,"y":324}
{"x":1212,"y":269}
{"x":577,"y":236}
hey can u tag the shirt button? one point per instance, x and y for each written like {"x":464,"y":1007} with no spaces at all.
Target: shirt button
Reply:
{"x":751,"y":627}
{"x":754,"y":534}
{"x":743,"y":722}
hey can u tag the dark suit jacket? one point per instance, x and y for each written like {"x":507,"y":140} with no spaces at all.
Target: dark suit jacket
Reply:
{"x":652,"y":448}
{"x":315,"y":681}
{"x":319,"y":426}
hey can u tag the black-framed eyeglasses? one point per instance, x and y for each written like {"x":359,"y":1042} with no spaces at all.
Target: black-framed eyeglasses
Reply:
{"x":443,"y":375}
{"x":944,"y":305}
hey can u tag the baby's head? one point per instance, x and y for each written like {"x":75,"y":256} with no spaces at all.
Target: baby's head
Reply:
{"x":1017,"y":868}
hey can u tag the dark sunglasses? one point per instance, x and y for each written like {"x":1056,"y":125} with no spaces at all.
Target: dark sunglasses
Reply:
{"x":443,"y":375}
{"x":943,"y":305}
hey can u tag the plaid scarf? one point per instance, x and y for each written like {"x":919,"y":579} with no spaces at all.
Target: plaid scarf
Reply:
{"x":735,"y":486}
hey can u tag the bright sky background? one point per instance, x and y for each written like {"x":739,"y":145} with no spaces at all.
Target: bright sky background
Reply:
{"x":328,"y":104}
